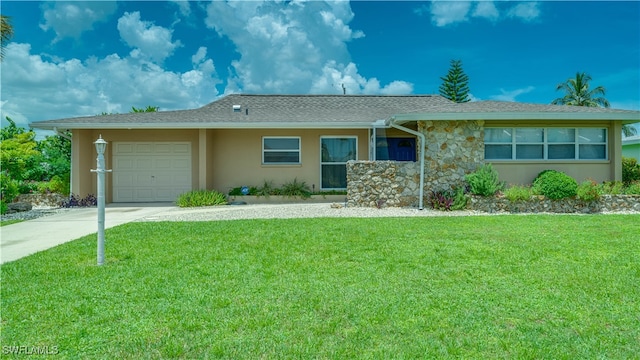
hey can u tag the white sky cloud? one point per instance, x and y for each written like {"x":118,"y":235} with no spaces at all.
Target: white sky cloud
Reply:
{"x":448,"y":12}
{"x":510,"y":95}
{"x":297,"y":47}
{"x":151,"y":41}
{"x":71,"y":19}
{"x":527,"y":11}
{"x":183,"y":6}
{"x":37,"y":88}
{"x":444,"y":13}
{"x":487,"y":10}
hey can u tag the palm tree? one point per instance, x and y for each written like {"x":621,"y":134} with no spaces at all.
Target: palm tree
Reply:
{"x":629,"y":130}
{"x":577,"y":92}
{"x":6,"y":33}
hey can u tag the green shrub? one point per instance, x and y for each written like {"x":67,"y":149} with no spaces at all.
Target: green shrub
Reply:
{"x":28,"y":186}
{"x":484,"y":181}
{"x":588,"y":190}
{"x":3,"y":207}
{"x":267,"y":189}
{"x":296,"y":188}
{"x":201,"y":198}
{"x":555,"y":185}
{"x":448,"y":200}
{"x":612,"y":188}
{"x":633,"y":188}
{"x":9,"y":188}
{"x":518,"y":193}
{"x":58,"y":185}
{"x":630,"y":170}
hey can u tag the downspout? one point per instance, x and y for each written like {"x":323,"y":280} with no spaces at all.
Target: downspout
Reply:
{"x":65,"y":136}
{"x":423,"y":143}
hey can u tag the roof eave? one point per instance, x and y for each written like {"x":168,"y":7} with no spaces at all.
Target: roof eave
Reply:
{"x":626,"y":118}
{"x":162,"y":126}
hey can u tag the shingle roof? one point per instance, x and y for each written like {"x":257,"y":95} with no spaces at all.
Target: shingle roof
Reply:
{"x":315,"y":111}
{"x":264,"y":111}
{"x":492,"y":106}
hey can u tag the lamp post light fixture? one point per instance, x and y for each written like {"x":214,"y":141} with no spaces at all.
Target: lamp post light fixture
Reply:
{"x":101,"y":146}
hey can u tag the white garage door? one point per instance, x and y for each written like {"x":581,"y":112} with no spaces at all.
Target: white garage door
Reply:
{"x":150,"y":171}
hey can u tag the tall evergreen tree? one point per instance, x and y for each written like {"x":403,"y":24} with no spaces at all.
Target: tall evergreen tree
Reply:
{"x":455,"y":86}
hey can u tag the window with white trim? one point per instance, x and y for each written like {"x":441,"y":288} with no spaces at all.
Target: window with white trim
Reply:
{"x":545,"y":143}
{"x":281,"y":150}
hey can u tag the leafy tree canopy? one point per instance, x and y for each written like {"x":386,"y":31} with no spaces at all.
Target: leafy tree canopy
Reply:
{"x":148,"y":109}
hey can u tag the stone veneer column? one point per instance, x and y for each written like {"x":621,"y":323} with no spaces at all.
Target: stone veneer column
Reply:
{"x":453,"y":149}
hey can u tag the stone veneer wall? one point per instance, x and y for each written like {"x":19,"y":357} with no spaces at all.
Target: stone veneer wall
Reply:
{"x":453,"y":149}
{"x":43,"y":200}
{"x":382,"y":183}
{"x":540,"y":204}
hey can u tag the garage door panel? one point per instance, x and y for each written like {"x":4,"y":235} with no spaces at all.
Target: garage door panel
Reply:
{"x":144,"y":148}
{"x":123,"y":194}
{"x":184,"y":149}
{"x":164,"y":149}
{"x":182,"y":164}
{"x":144,"y":194}
{"x":123,"y":179}
{"x":144,"y":179}
{"x":162,"y":164}
{"x":144,"y":163}
{"x":124,"y":164}
{"x":123,"y":148}
{"x":151,"y":171}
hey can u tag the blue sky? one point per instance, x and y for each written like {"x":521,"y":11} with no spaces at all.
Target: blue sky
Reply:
{"x":81,"y":58}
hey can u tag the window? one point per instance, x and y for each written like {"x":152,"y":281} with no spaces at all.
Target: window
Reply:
{"x":280,"y":150}
{"x":545,"y":144}
{"x":398,"y":149}
{"x":334,"y":153}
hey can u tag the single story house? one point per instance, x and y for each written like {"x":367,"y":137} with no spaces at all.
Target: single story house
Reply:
{"x":631,"y":147}
{"x":245,"y":139}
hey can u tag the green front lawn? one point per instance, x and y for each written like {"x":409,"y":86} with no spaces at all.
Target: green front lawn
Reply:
{"x":539,"y":286}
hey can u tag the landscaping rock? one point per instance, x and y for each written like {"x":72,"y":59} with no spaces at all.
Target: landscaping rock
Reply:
{"x":19,"y":207}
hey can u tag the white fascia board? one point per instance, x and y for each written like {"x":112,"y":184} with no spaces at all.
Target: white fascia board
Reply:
{"x":626,"y":118}
{"x":260,"y":125}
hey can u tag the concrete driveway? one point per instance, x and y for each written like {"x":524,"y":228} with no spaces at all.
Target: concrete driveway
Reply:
{"x":28,"y":237}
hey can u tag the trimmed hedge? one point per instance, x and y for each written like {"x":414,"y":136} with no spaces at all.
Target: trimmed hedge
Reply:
{"x":555,"y":185}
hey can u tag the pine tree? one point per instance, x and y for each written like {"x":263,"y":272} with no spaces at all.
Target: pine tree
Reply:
{"x":455,"y":86}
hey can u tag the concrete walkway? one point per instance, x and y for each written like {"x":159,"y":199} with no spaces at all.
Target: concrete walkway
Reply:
{"x":28,"y":237}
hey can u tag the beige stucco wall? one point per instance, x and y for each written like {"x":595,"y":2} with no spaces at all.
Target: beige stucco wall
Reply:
{"x":523,"y":172}
{"x":236,"y":156}
{"x":232,"y":157}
